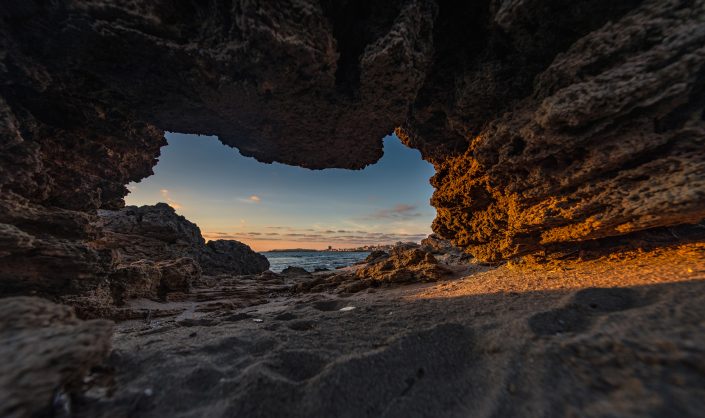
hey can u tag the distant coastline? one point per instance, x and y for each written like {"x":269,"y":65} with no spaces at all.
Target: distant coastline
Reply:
{"x":366,"y":248}
{"x":294,"y":250}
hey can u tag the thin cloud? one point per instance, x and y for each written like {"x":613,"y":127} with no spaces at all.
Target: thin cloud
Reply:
{"x":167,"y":196}
{"x":245,"y":236}
{"x":360,"y":237}
{"x":250,"y":199}
{"x":398,"y":212}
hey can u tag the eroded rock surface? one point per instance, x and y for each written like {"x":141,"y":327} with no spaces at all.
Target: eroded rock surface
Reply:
{"x":293,"y":271}
{"x":46,"y":354}
{"x":509,"y":342}
{"x":603,"y":137}
{"x":403,"y":264}
{"x":547,"y":124}
{"x":225,"y":256}
{"x":156,"y":251}
{"x":158,"y":233}
{"x":444,"y":250}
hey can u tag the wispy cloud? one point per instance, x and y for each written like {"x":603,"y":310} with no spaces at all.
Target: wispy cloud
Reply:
{"x":250,"y":199}
{"x":166,"y":195}
{"x":398,"y":212}
{"x":337,"y":239}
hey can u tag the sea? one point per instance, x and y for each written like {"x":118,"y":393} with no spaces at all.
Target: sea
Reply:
{"x":311,"y":260}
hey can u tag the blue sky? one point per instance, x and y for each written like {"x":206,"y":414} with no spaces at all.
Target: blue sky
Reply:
{"x":278,"y":206}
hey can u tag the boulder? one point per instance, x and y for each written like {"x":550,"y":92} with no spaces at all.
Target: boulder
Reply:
{"x":46,"y":354}
{"x":158,"y":233}
{"x":179,"y":274}
{"x":444,"y":250}
{"x":375,"y":256}
{"x":434,"y":244}
{"x":231,"y":257}
{"x":149,"y":233}
{"x":293,"y":271}
{"x":403,"y":264}
{"x":139,"y":279}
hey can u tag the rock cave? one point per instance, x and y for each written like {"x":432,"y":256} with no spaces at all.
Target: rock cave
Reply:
{"x":568,"y":141}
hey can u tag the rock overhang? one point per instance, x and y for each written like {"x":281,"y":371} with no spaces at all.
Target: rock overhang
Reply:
{"x":547,"y":124}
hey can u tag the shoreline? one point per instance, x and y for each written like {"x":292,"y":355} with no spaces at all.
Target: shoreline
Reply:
{"x":313,"y":261}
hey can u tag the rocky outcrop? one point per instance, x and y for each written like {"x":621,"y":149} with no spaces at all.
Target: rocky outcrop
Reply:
{"x":148,"y":232}
{"x":46,"y":354}
{"x":403,"y":264}
{"x":600,"y":135}
{"x":179,"y":274}
{"x":375,"y":256}
{"x":548,"y":125}
{"x":293,"y":271}
{"x":158,"y":233}
{"x":444,"y":250}
{"x":224,"y":256}
{"x":44,"y":250}
{"x":157,"y":251}
{"x":434,"y":244}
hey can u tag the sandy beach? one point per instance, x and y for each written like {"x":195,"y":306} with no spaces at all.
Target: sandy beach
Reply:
{"x":594,"y":338}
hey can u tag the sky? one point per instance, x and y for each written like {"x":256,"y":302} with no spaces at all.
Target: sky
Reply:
{"x":275,"y":206}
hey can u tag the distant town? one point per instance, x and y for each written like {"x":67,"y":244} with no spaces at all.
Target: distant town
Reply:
{"x":364,"y":248}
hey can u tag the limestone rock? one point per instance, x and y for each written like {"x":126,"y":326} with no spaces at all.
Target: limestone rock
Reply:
{"x":179,"y":274}
{"x":231,"y":257}
{"x":157,"y":251}
{"x":157,"y":233}
{"x":547,"y":124}
{"x":139,"y":279}
{"x":403,"y":265}
{"x":46,"y":250}
{"x":434,"y":244}
{"x":375,"y":256}
{"x":600,"y":134}
{"x":444,"y":250}
{"x":149,"y":232}
{"x":293,"y":271}
{"x":46,"y":351}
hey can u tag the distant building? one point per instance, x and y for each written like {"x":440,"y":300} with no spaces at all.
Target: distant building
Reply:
{"x":330,"y":247}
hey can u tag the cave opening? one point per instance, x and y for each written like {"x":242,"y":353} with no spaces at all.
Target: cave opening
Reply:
{"x":276,"y":206}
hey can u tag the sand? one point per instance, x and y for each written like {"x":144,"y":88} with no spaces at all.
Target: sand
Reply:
{"x":622,"y":335}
